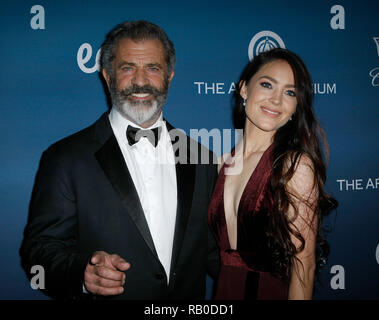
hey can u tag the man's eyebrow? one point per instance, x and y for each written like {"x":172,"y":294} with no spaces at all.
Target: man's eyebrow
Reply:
{"x":274,"y":80}
{"x":123,"y":63}
{"x":126,"y":63}
{"x":154,"y":64}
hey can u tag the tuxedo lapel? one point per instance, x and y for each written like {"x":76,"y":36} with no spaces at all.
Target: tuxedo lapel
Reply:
{"x":185,"y":181}
{"x":113,"y":164}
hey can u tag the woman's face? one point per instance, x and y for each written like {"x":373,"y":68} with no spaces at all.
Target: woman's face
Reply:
{"x":270,"y":96}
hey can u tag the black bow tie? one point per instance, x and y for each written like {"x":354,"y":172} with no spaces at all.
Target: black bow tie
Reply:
{"x":134,"y":134}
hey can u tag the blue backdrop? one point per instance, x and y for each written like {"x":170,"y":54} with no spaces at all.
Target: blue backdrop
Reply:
{"x":50,"y":88}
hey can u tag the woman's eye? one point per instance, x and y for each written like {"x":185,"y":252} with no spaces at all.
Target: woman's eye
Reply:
{"x":291,"y":93}
{"x":266,"y":85}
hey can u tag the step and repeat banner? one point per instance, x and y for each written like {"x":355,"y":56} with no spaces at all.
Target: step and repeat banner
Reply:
{"x":51,"y":88}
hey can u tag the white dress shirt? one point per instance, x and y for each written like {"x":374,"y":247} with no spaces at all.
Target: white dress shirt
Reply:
{"x":153,"y":172}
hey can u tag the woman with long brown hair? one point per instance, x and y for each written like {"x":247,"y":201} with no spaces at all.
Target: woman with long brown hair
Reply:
{"x":267,"y":219}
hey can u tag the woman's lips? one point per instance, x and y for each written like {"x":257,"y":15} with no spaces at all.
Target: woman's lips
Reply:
{"x":270,"y":112}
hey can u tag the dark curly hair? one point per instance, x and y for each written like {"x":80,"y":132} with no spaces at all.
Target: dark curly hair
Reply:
{"x":299,"y":137}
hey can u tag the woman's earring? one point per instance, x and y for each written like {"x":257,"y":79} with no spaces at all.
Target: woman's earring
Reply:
{"x":244,"y":102}
{"x":290,"y":118}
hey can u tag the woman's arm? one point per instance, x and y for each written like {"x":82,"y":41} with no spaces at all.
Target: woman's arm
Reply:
{"x":303,"y":193}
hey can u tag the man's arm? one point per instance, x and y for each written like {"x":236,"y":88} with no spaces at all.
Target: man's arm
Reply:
{"x":50,"y":234}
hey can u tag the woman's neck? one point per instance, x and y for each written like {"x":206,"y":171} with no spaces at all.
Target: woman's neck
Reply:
{"x":255,"y":139}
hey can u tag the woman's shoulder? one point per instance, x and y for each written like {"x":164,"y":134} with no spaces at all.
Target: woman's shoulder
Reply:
{"x":299,"y":160}
{"x":303,"y":178}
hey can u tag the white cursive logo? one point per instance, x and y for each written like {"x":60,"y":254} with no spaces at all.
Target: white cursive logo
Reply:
{"x":83,"y":59}
{"x":374,"y":73}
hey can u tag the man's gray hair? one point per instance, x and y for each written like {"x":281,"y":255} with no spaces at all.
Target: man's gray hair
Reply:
{"x":137,"y":31}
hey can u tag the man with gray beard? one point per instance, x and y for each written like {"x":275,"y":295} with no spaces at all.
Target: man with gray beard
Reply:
{"x":113,"y":212}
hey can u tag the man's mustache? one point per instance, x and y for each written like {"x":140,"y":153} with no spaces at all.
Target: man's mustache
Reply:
{"x":140,"y":89}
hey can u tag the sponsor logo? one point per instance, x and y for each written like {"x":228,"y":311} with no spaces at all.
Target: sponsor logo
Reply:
{"x":84,"y":55}
{"x":376,"y":40}
{"x":374,"y":73}
{"x":358,"y":184}
{"x":324,"y":88}
{"x":214,"y":87}
{"x":38,"y":280}
{"x":217,"y":88}
{"x":338,"y":280}
{"x":37,"y":22}
{"x":264,"y":41}
{"x":337,"y":22}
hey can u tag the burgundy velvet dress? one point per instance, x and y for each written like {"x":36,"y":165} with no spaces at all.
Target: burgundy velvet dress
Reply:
{"x":246,"y":273}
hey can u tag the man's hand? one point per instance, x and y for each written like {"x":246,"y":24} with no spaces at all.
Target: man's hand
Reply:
{"x":105,"y":274}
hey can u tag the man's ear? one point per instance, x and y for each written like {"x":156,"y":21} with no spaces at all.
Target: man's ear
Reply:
{"x":171,"y":76}
{"x":106,"y":76}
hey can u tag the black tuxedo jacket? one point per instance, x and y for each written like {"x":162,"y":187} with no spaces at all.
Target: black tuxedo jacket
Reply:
{"x":84,"y":200}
